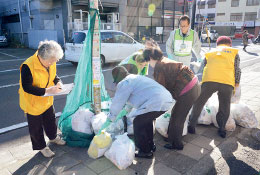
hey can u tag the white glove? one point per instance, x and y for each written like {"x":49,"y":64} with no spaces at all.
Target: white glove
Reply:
{"x":199,"y":60}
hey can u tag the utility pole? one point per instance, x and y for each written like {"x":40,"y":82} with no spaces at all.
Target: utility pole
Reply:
{"x":162,"y":18}
{"x":173,"y":15}
{"x":96,"y":67}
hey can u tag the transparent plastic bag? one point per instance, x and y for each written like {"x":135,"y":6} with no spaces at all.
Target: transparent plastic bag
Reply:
{"x":115,"y":128}
{"x":81,"y":121}
{"x":162,"y":124}
{"x":99,"y":145}
{"x":98,"y":121}
{"x":244,"y":116}
{"x":122,"y":152}
{"x":236,"y":96}
{"x":205,"y":117}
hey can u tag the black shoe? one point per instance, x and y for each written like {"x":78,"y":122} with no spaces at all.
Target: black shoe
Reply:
{"x":191,"y":130}
{"x":165,"y":139}
{"x":222,"y":133}
{"x":142,"y":154}
{"x":153,"y":148}
{"x":171,"y":146}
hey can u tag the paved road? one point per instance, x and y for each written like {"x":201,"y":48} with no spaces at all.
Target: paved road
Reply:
{"x":11,"y":59}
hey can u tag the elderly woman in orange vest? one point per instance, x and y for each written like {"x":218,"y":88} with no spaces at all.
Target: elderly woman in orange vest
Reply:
{"x":37,"y":79}
{"x":221,"y":74}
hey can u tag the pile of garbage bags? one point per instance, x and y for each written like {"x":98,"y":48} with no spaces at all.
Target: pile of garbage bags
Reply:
{"x":109,"y":140}
{"x":240,"y":114}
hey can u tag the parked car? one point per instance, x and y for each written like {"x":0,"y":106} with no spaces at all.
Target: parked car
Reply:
{"x":212,"y":35}
{"x":115,"y":46}
{"x":3,"y":41}
{"x":239,"y":35}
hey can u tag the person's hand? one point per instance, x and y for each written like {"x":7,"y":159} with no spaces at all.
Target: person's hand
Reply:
{"x":59,"y":85}
{"x":53,"y":90}
{"x":199,"y":60}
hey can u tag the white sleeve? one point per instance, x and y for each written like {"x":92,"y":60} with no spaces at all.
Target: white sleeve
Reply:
{"x":169,"y":45}
{"x":196,"y":45}
{"x":123,"y":92}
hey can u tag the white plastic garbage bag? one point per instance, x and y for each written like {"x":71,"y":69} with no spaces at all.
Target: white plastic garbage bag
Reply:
{"x":205,"y":116}
{"x":130,"y":125}
{"x":236,"y":96}
{"x":121,"y":152}
{"x":98,"y":121}
{"x":99,"y":145}
{"x":244,"y":116}
{"x":81,"y":121}
{"x":230,"y":125}
{"x":162,"y":124}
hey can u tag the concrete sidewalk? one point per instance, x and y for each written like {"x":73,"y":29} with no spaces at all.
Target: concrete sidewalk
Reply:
{"x":204,"y":152}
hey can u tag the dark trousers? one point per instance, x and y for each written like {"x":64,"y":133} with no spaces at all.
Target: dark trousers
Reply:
{"x":224,"y":97}
{"x":143,"y":130}
{"x":39,"y":123}
{"x":179,"y":114}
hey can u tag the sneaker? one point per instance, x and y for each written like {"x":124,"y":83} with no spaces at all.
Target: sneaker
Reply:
{"x":46,"y":152}
{"x":58,"y":141}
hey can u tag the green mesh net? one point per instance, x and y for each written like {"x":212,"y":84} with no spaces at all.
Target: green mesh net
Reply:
{"x":82,"y":94}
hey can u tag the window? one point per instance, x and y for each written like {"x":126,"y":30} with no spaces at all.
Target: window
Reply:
{"x":121,"y":38}
{"x":78,"y":37}
{"x":250,"y":16}
{"x":252,"y":2}
{"x":210,"y":6}
{"x":236,"y":16}
{"x":107,"y":37}
{"x":221,"y":0}
{"x":10,"y":19}
{"x":201,"y":6}
{"x":220,"y":14}
{"x":234,"y":3}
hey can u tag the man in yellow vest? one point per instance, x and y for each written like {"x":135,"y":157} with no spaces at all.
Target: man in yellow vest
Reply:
{"x":221,"y":74}
{"x":38,"y":79}
{"x":182,"y":41}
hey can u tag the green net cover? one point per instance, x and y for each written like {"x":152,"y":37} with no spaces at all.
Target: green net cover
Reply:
{"x":82,"y":93}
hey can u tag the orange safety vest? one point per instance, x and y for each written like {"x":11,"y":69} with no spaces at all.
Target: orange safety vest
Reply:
{"x":32,"y":104}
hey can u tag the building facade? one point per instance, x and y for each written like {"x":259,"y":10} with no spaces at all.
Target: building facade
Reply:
{"x":31,"y":21}
{"x":229,"y":16}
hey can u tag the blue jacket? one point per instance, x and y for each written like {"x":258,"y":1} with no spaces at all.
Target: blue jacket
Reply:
{"x":142,"y":93}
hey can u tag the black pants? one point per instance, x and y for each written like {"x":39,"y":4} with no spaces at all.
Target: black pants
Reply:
{"x":224,"y":97}
{"x":37,"y":124}
{"x":179,"y":114}
{"x":143,"y":130}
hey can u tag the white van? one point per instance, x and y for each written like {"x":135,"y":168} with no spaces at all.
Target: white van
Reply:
{"x":115,"y":46}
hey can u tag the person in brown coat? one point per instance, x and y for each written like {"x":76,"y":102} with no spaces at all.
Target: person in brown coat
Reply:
{"x":184,"y":87}
{"x":245,"y":39}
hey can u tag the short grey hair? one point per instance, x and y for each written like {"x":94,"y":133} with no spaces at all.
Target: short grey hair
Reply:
{"x":50,"y":49}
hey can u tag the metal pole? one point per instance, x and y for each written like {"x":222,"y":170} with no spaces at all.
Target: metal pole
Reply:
{"x":96,"y":67}
{"x":29,"y":13}
{"x":21,"y":25}
{"x":173,"y":15}
{"x":162,"y":18}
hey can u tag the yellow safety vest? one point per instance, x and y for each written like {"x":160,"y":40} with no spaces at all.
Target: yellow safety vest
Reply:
{"x":32,"y":104}
{"x":220,"y":66}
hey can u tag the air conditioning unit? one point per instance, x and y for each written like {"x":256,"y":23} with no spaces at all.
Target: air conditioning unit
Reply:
{"x":110,"y":18}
